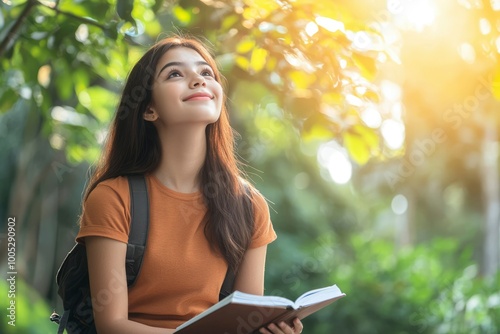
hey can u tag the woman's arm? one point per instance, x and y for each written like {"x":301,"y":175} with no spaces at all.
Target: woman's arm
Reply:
{"x":250,"y":279}
{"x":108,"y":287}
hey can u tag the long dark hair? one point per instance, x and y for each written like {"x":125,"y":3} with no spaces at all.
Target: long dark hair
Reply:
{"x":133,"y":147}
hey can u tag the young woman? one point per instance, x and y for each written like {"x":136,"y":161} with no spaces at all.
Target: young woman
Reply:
{"x":173,"y":127}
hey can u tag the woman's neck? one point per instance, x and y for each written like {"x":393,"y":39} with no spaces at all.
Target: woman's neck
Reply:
{"x":183,"y":155}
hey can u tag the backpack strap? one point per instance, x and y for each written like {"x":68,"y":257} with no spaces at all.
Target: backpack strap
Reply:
{"x":63,"y":322}
{"x":227,"y":285}
{"x":139,"y":225}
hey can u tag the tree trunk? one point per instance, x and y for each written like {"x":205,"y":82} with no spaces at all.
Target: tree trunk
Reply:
{"x":489,"y":177}
{"x":405,"y":222}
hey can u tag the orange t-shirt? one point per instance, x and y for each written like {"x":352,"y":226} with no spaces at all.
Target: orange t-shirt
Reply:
{"x":181,"y":275}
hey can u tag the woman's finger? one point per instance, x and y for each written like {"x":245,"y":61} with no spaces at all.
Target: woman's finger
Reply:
{"x":264,"y":331}
{"x":297,"y":326}
{"x":285,"y":328}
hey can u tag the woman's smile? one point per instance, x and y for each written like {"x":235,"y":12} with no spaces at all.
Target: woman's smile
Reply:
{"x":200,"y":96}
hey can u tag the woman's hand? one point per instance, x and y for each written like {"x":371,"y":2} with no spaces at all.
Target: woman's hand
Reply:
{"x":283,"y":328}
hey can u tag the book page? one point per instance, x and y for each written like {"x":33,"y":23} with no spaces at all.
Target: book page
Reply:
{"x":248,"y":299}
{"x":318,"y":295}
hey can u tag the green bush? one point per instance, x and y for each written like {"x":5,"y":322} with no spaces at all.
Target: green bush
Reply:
{"x":31,"y":311}
{"x":432,"y":288}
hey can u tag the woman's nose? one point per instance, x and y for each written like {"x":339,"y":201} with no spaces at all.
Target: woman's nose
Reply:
{"x":198,"y":80}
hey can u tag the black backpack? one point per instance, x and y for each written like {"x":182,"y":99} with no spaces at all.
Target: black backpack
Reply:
{"x":73,"y":277}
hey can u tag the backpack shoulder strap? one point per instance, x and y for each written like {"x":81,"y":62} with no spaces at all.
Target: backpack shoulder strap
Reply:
{"x":227,"y":285}
{"x":139,"y":225}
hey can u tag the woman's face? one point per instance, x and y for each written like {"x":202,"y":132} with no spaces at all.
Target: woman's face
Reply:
{"x":185,"y":90}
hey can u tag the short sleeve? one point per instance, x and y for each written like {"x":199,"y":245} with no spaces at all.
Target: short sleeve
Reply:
{"x":106,"y":212}
{"x":263,"y":227}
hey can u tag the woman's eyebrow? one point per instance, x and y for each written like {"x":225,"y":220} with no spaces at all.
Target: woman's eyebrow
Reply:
{"x":178,"y":63}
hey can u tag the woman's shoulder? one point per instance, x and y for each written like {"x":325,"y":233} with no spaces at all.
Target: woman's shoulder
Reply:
{"x":258,"y":199}
{"x":106,"y":211}
{"x":115,"y":182}
{"x":117,"y":186}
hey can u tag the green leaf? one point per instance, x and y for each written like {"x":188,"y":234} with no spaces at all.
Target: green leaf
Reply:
{"x":111,"y":30}
{"x":7,"y":100}
{"x":124,"y":9}
{"x":81,"y":78}
{"x":100,"y":101}
{"x":64,"y":84}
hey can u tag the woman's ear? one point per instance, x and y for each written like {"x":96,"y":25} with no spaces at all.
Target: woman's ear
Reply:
{"x":150,"y":115}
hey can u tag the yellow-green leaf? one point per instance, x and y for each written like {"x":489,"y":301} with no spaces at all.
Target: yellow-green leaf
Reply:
{"x":100,"y":102}
{"x":362,"y":143}
{"x":259,"y":8}
{"x":182,"y":15}
{"x":80,"y":79}
{"x":495,"y":84}
{"x":258,"y":59}
{"x":366,"y":65}
{"x":333,"y":98}
{"x":271,"y":64}
{"x":242,"y":62}
{"x":372,"y":96}
{"x":357,"y":148}
{"x":228,"y":22}
{"x":153,"y":27}
{"x":301,"y":79}
{"x":371,"y":138}
{"x":245,"y":45}
{"x":317,"y":132}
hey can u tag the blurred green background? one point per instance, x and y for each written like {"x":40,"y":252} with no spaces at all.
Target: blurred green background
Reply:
{"x":372,"y":127}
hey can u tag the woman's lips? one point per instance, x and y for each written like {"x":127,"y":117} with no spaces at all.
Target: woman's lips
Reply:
{"x":198,"y":97}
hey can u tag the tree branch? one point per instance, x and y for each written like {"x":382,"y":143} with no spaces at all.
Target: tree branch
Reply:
{"x":76,"y":17}
{"x":12,"y":34}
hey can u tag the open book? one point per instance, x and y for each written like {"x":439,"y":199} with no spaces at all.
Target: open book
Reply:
{"x":243,"y":313}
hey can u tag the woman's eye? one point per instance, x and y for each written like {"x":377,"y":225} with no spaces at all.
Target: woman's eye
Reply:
{"x":207,"y":73}
{"x":173,"y":75}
